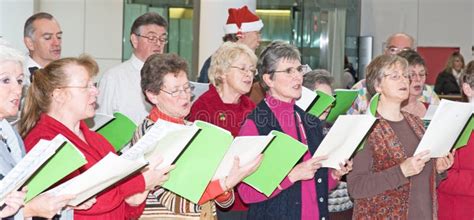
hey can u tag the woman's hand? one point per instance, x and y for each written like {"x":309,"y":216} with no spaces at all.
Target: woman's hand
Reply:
{"x":414,"y":165}
{"x":13,"y":202}
{"x":86,"y":205}
{"x":345,"y":169}
{"x":444,"y":163}
{"x":155,"y":177}
{"x":46,"y":205}
{"x":238,"y":173}
{"x":306,"y":170}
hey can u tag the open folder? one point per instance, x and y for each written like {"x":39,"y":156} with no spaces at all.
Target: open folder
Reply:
{"x":314,"y":102}
{"x":66,"y":160}
{"x":117,"y":129}
{"x":278,"y":159}
{"x":46,"y":163}
{"x":447,"y":124}
{"x":344,"y":99}
{"x":343,"y":138}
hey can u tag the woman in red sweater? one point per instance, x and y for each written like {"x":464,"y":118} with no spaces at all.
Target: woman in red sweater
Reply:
{"x":456,"y":192}
{"x":231,"y":74}
{"x":60,"y":97}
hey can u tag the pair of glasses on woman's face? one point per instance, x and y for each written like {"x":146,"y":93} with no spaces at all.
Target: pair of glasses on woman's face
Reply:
{"x":250,"y":70}
{"x":187,"y":89}
{"x":293,"y":71}
{"x":397,"y":76}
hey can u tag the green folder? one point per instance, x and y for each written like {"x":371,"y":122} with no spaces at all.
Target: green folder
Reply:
{"x":320,"y":104}
{"x":344,"y":100}
{"x":465,"y":134}
{"x":197,"y":164}
{"x":118,"y":131}
{"x":278,"y":159}
{"x":373,"y":104}
{"x":65,"y":161}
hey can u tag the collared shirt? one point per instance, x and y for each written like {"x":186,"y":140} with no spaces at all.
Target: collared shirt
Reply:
{"x":29,"y":62}
{"x":120,"y":91}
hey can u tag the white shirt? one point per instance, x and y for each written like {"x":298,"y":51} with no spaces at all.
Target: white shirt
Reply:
{"x":8,"y":133}
{"x":120,"y":91}
{"x":26,"y":72}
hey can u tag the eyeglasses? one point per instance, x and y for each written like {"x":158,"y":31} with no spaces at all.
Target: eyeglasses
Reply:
{"x":420,"y":75}
{"x":154,"y":39}
{"x":395,"y":50}
{"x":186,"y":90}
{"x":292,"y":70}
{"x":253,"y":71}
{"x":396,"y":76}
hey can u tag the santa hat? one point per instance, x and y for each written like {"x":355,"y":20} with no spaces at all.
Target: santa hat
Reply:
{"x":242,"y":20}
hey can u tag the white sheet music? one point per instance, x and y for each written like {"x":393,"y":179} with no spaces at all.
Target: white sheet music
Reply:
{"x":103,"y":174}
{"x":307,"y":97}
{"x":343,"y":138}
{"x":445,"y":127}
{"x":98,"y":121}
{"x":32,"y":161}
{"x":247,"y":148}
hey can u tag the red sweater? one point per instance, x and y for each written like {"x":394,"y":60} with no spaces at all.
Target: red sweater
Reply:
{"x":209,"y":107}
{"x":110,"y":203}
{"x":456,"y":192}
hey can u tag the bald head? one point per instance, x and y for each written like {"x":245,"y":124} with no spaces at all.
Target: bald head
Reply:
{"x":399,"y":42}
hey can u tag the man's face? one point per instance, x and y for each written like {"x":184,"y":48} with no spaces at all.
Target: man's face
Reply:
{"x":398,"y":44}
{"x":150,"y":40}
{"x":45,"y":46}
{"x":251,"y":39}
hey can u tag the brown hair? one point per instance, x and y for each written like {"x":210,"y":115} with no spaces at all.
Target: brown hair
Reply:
{"x":45,"y":81}
{"x":378,"y":67}
{"x":468,"y":78}
{"x":155,"y":69}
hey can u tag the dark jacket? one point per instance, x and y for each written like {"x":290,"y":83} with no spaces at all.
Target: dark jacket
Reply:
{"x":446,"y":84}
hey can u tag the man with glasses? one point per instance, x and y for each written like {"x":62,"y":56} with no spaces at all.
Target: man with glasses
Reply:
{"x":119,"y":87}
{"x":395,"y":44}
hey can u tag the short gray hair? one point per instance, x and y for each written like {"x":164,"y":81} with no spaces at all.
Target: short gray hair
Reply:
{"x":317,"y":76}
{"x":8,"y":53}
{"x":271,"y":55}
{"x":29,"y":30}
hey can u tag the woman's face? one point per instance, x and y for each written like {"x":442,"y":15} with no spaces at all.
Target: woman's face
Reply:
{"x":417,"y":79}
{"x":394,"y":85}
{"x":11,"y":80}
{"x":287,"y":80}
{"x":174,"y":98}
{"x":239,"y":76}
{"x":80,"y":92}
{"x":457,"y":64}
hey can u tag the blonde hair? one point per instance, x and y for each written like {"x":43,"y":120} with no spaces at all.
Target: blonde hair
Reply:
{"x":45,"y":81}
{"x":223,"y":58}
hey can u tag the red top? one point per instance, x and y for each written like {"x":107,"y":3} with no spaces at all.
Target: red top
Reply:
{"x":110,"y":203}
{"x":455,"y":193}
{"x":209,"y":107}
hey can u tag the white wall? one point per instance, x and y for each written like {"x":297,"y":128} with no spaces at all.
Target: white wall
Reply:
{"x":213,"y":18}
{"x":431,"y":22}
{"x":13,"y":15}
{"x":90,"y":26}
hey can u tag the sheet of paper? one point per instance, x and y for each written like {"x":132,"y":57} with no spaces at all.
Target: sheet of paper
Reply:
{"x":445,"y":127}
{"x":247,"y":148}
{"x":430,"y":112}
{"x":103,"y":174}
{"x":98,"y":121}
{"x":343,"y":138}
{"x":306,"y":99}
